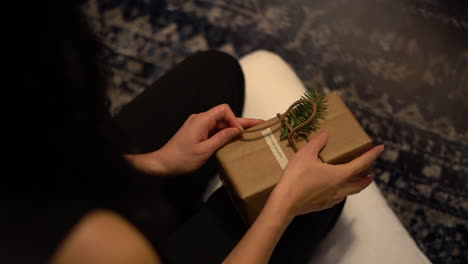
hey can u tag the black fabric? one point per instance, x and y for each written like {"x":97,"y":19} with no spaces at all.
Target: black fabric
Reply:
{"x":205,"y":234}
{"x":304,"y":234}
{"x":56,"y":163}
{"x":31,"y":230}
{"x":169,"y":212}
{"x":35,"y":218}
{"x":195,"y":85}
{"x":209,"y":236}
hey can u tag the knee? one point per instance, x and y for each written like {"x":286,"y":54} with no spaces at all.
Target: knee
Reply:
{"x":221,"y":63}
{"x":219,"y":56}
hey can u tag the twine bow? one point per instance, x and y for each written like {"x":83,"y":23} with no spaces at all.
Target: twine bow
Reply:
{"x":284,"y":120}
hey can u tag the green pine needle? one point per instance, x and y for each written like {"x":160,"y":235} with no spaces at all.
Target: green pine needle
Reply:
{"x":301,"y":113}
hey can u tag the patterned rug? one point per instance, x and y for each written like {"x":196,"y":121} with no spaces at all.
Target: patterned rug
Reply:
{"x":400,"y":65}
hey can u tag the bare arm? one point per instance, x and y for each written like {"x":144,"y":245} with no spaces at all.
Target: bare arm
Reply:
{"x":258,"y":243}
{"x":194,"y":143}
{"x":105,"y":237}
{"x":307,"y":185}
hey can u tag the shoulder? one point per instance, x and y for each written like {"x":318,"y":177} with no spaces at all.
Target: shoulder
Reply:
{"x":103,"y":236}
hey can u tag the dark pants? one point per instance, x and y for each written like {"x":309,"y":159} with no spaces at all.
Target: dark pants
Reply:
{"x":205,"y":233}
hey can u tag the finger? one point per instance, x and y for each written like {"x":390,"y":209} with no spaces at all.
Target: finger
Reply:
{"x":220,"y":114}
{"x":339,"y":200}
{"x":220,"y":139}
{"x":317,"y":143}
{"x":364,"y":161}
{"x":249,"y":122}
{"x":221,"y":125}
{"x":245,"y":123}
{"x":231,"y":118}
{"x":360,"y":175}
{"x":357,"y":186}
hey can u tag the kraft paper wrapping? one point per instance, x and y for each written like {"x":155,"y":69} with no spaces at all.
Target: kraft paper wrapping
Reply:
{"x":250,"y":169}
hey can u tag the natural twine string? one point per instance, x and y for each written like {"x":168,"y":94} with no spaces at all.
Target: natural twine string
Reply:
{"x":283,"y":119}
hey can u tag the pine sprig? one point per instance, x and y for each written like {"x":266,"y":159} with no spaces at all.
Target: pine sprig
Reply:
{"x":302,"y":112}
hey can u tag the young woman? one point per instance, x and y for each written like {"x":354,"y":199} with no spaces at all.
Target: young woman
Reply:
{"x":84,"y":187}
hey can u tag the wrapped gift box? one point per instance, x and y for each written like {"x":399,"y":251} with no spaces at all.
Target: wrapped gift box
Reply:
{"x":253,"y":163}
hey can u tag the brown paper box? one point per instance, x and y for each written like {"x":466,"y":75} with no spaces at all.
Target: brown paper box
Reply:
{"x":250,"y":169}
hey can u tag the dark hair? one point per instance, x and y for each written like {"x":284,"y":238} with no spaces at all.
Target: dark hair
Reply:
{"x":57,"y":98}
{"x":58,"y":160}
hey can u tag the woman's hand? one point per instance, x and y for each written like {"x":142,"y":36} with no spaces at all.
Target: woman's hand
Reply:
{"x":309,"y":185}
{"x":194,"y":143}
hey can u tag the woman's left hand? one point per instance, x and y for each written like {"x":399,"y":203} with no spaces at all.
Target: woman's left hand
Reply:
{"x":194,"y":143}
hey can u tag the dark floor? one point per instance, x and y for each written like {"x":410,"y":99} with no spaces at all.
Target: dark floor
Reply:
{"x":401,"y":66}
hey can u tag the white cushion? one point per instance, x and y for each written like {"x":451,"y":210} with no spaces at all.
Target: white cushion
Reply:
{"x":367,"y":231}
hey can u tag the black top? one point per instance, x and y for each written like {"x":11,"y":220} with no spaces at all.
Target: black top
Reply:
{"x":58,"y":162}
{"x":38,"y":210}
{"x":60,"y":157}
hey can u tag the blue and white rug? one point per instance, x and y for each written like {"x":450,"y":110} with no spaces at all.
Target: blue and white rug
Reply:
{"x":400,"y":65}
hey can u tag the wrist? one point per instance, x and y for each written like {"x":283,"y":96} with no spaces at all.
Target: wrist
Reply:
{"x":148,"y":163}
{"x":158,"y":165}
{"x":280,"y":207}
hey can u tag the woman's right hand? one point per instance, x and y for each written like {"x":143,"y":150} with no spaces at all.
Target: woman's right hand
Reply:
{"x":309,"y":185}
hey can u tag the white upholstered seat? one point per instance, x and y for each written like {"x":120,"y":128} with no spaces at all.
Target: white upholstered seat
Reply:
{"x":367,"y":232}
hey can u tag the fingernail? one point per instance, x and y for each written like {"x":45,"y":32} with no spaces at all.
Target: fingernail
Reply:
{"x":234,"y":133}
